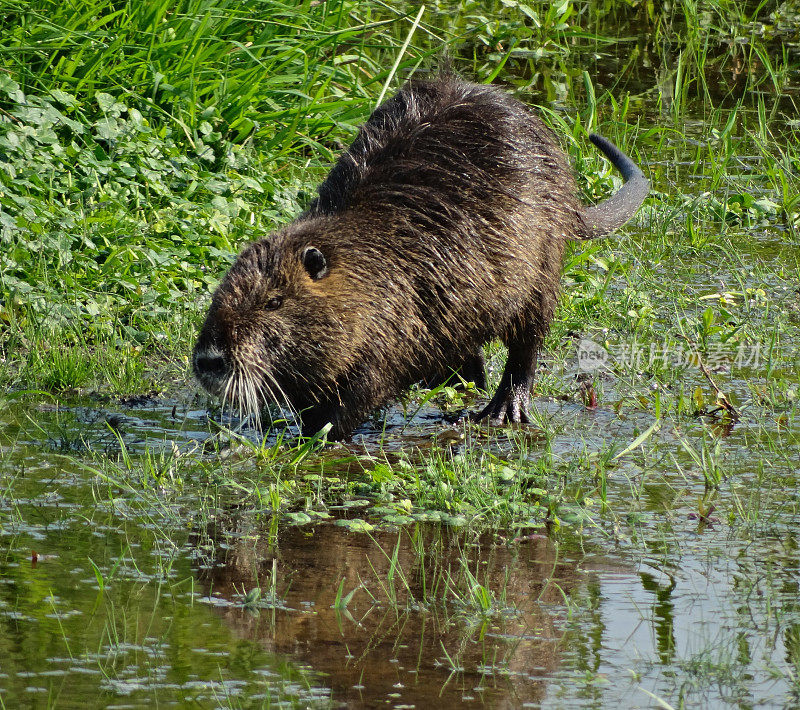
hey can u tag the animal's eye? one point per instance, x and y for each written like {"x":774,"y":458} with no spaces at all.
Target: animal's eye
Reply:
{"x":274,"y":302}
{"x":315,"y":263}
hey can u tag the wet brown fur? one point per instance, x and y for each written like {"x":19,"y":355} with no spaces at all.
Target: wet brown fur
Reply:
{"x":442,"y":226}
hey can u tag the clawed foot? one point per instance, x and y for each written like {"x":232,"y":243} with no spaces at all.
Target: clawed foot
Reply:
{"x":506,"y":407}
{"x":510,"y":403}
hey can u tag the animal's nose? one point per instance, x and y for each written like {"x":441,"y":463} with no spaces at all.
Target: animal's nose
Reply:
{"x":208,"y":364}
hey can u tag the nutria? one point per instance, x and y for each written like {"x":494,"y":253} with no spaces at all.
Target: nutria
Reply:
{"x":441,"y":228}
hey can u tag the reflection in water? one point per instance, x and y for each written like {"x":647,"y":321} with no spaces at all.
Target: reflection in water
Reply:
{"x":663,"y":613}
{"x":413,"y":630}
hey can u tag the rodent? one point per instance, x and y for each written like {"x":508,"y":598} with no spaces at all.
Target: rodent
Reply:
{"x":441,"y":228}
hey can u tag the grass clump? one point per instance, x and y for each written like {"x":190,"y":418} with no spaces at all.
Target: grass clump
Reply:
{"x":270,"y":70}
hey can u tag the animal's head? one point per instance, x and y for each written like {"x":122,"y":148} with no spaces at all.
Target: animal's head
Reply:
{"x":278,"y":327}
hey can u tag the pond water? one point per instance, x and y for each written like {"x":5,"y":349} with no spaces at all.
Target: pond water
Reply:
{"x":130,"y":596}
{"x":131,"y":577}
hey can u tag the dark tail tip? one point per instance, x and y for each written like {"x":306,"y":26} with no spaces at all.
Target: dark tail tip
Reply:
{"x":611,"y":214}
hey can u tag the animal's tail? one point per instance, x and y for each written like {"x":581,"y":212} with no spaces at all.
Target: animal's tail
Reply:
{"x":612,"y":213}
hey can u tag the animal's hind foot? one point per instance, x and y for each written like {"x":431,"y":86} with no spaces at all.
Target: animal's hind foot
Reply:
{"x":509,"y":407}
{"x":510,"y":403}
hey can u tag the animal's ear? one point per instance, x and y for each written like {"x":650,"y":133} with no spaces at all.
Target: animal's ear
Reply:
{"x":315,"y":263}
